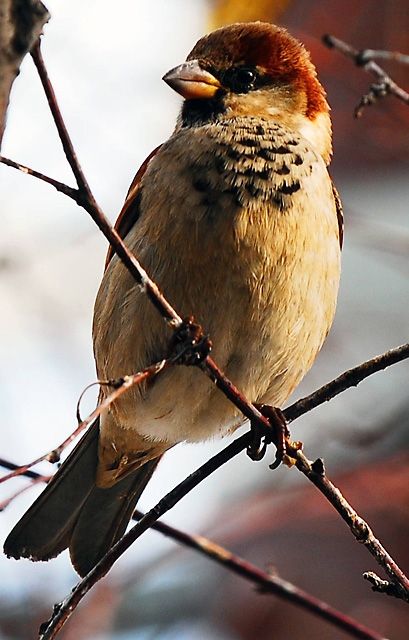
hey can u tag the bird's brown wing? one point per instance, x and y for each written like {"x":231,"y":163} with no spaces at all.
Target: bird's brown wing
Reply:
{"x":340,"y":214}
{"x":130,"y":211}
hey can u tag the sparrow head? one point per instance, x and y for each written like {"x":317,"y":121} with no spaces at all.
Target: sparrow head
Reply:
{"x":253,"y":69}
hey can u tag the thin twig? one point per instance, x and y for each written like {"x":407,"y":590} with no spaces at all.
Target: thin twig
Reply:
{"x":384,"y":84}
{"x":60,"y":186}
{"x":127,"y":382}
{"x":266,"y":582}
{"x":315,"y":472}
{"x":12,"y":466}
{"x":7,"y":501}
{"x":59,"y":122}
{"x":392,"y":56}
{"x":346,"y":380}
{"x":88,"y":202}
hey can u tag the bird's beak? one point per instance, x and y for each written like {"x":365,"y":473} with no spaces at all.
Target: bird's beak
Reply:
{"x":191,"y":81}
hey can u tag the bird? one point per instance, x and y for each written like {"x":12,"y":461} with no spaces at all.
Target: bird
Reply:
{"x":237,"y":220}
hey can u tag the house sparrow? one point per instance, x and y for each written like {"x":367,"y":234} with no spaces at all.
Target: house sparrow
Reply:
{"x":236,"y":218}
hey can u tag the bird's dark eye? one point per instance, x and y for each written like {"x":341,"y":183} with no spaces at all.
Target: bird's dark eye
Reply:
{"x":240,"y":79}
{"x":245,"y":77}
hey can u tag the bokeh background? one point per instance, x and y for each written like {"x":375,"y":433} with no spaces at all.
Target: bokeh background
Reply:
{"x":106,"y":61}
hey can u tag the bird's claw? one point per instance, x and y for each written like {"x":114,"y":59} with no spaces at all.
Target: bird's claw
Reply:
{"x":279,"y":435}
{"x":256,"y":450}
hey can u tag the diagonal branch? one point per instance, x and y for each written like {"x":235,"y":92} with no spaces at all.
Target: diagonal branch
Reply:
{"x":121,"y":386}
{"x":59,"y":122}
{"x":60,"y":186}
{"x":5,"y":503}
{"x":346,"y":380}
{"x":86,"y":199}
{"x":315,"y":472}
{"x":266,"y":582}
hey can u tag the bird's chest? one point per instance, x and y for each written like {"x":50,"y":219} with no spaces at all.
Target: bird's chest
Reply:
{"x":230,"y":220}
{"x":224,"y":190}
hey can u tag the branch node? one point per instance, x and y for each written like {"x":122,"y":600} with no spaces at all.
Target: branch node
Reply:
{"x":383,"y":586}
{"x":116,"y":383}
{"x":361,"y":530}
{"x":44,"y":625}
{"x":362,"y":58}
{"x":188,"y":344}
{"x":54,"y":456}
{"x":318,"y":467}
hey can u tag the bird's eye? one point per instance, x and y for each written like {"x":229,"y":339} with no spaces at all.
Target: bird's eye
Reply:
{"x":245,"y":77}
{"x":240,"y":79}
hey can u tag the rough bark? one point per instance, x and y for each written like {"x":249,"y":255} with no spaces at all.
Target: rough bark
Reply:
{"x":21,"y":23}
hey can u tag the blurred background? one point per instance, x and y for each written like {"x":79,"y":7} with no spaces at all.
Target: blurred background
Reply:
{"x":106,"y":61}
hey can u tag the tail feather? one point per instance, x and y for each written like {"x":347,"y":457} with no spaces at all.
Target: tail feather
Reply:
{"x":73,"y":512}
{"x":105,"y":516}
{"x":45,"y":529}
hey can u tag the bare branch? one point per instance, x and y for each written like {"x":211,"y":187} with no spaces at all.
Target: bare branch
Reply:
{"x":384,"y":84}
{"x":381,"y":586}
{"x":121,"y":386}
{"x":266,"y":582}
{"x":88,"y":202}
{"x":12,"y":466}
{"x":315,"y":472}
{"x":60,"y":186}
{"x":39,"y":479}
{"x":346,"y":380}
{"x":59,"y":122}
{"x":393,"y":56}
{"x":65,"y":609}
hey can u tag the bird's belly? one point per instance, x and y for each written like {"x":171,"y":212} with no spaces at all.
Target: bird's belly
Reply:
{"x":266,"y":335}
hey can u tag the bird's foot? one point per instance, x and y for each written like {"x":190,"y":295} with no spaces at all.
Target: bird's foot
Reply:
{"x":279,"y":435}
{"x":189,"y":345}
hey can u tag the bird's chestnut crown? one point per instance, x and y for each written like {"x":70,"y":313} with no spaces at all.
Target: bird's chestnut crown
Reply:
{"x":240,"y":58}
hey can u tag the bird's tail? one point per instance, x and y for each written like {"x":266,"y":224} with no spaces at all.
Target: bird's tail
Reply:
{"x":73,"y":512}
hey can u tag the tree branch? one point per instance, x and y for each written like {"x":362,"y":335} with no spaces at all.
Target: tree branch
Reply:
{"x":346,"y":380}
{"x":21,"y":24}
{"x":384,"y":84}
{"x":121,"y":386}
{"x":315,"y":472}
{"x":266,"y":582}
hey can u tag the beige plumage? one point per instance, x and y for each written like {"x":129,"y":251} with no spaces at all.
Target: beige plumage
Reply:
{"x":236,"y":219}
